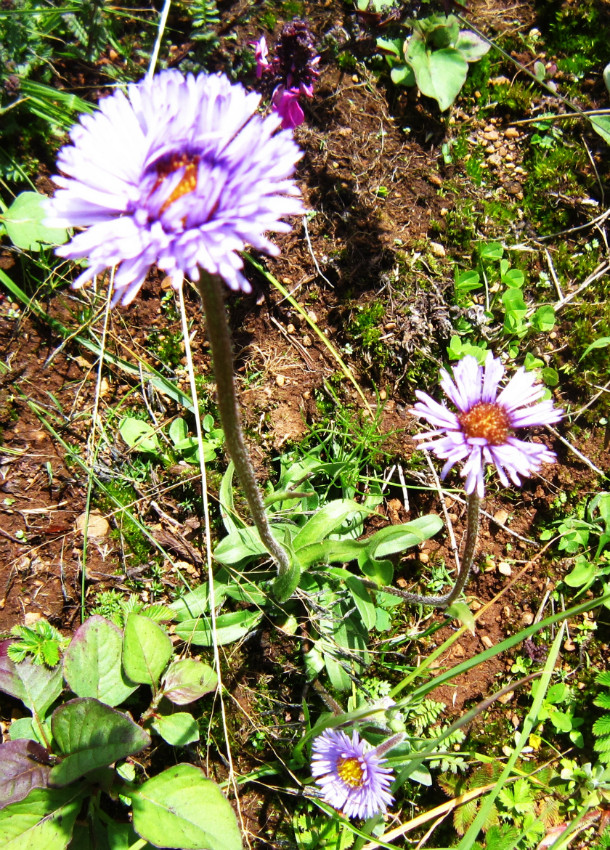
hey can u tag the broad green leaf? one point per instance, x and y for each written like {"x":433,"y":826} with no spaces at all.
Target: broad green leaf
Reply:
{"x":147,"y":649}
{"x":139,"y":435}
{"x":471,"y":46}
{"x":601,"y":125}
{"x":229,"y":628}
{"x":491,"y":251}
{"x":43,"y":821}
{"x":22,"y":767}
{"x":544,"y":319}
{"x":178,"y":430}
{"x":396,"y":538}
{"x":467,"y":281}
{"x":513,"y":278}
{"x":326,"y":521}
{"x":26,"y":727}
{"x":36,"y":685}
{"x":391,"y":45}
{"x":439,"y":74}
{"x":187,"y":680}
{"x":606,"y":76}
{"x":583,"y":573}
{"x":197,"y":602}
{"x":179,"y":729}
{"x":24,"y":223}
{"x":89,"y":735}
{"x":403,"y":75}
{"x":244,"y":543}
{"x":182,"y":809}
{"x":92,"y":662}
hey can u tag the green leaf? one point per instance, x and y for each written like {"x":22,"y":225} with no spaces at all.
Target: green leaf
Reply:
{"x":35,"y":685}
{"x":146,"y":650}
{"x":602,"y":342}
{"x":139,"y":435}
{"x":197,"y":602}
{"x":396,"y":538}
{"x":362,"y":600}
{"x":90,"y":735}
{"x":462,"y":612}
{"x":466,"y":281}
{"x":45,"y":819}
{"x":601,"y":125}
{"x":178,"y":430}
{"x":179,"y":729}
{"x":187,"y":680}
{"x":286,"y":584}
{"x":182,"y":809}
{"x":242,"y":544}
{"x":513,"y":278}
{"x":471,"y":46}
{"x":24,"y":223}
{"x":92,"y":662}
{"x":326,"y":521}
{"x":583,"y":573}
{"x":544,"y":319}
{"x":439,"y":74}
{"x":229,"y":628}
{"x":403,"y":75}
{"x":606,"y":76}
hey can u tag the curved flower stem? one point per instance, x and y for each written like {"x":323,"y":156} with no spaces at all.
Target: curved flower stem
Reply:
{"x":211,"y":289}
{"x":472,"y":533}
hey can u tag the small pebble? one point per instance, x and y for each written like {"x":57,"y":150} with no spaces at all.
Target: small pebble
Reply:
{"x":280,"y":380}
{"x":505,"y":569}
{"x":501,"y":516}
{"x":290,"y":329}
{"x":487,"y":641}
{"x":307,"y":341}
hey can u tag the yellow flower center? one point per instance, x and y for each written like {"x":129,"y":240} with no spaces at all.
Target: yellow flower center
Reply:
{"x":350,"y":771}
{"x":487,"y":420}
{"x":189,"y":180}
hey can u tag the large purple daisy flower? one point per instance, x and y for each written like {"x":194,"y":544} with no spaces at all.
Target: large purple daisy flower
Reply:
{"x":350,"y":774}
{"x":179,"y":172}
{"x":481,"y":432}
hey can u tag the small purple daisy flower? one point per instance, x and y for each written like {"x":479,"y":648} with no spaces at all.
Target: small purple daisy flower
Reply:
{"x":179,"y":172}
{"x":350,"y":774}
{"x":481,"y":432}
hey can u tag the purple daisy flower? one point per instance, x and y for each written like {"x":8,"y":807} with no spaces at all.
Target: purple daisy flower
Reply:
{"x":481,"y":432}
{"x":179,"y":172}
{"x":350,"y":774}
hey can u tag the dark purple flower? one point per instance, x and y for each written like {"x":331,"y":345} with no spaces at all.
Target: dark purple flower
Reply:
{"x":481,"y":432}
{"x":179,"y":172}
{"x":350,"y":774}
{"x":291,"y":73}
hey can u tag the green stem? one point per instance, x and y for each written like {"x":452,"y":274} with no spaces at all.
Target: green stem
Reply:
{"x":211,"y":289}
{"x":444,"y":601}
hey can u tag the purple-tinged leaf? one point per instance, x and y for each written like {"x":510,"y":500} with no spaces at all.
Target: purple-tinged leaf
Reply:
{"x":92,"y":662}
{"x":23,"y":765}
{"x":35,"y":685}
{"x":89,"y":735}
{"x":187,"y":680}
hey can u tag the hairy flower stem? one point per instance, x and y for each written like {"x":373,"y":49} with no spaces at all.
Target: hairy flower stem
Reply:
{"x":472,"y":533}
{"x":211,"y":289}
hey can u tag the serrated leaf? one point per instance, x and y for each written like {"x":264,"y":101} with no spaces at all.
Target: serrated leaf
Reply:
{"x":92,"y":662}
{"x":602,"y":725}
{"x":188,"y":680}
{"x":229,"y":628}
{"x":147,"y":648}
{"x":20,"y":771}
{"x":179,"y":729}
{"x":24,"y":223}
{"x":89,"y":735}
{"x":182,"y":809}
{"x":602,"y":701}
{"x":45,"y":819}
{"x":603,"y":678}
{"x":35,"y":685}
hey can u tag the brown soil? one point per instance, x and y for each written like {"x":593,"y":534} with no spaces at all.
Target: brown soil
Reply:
{"x":354,"y":144}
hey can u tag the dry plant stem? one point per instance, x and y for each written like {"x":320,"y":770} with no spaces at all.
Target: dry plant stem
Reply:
{"x":472,"y":533}
{"x":211,"y":289}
